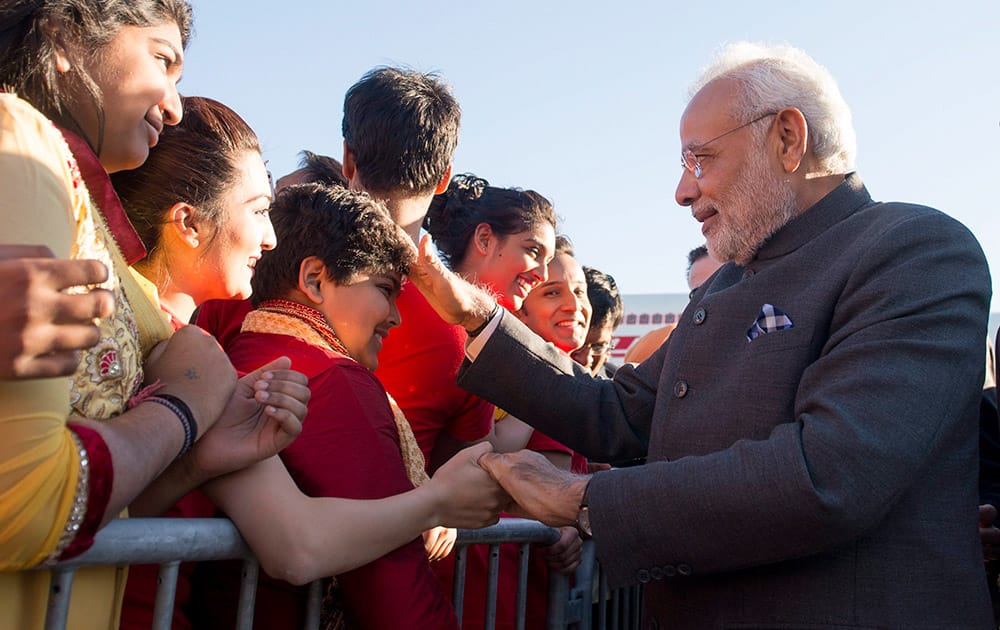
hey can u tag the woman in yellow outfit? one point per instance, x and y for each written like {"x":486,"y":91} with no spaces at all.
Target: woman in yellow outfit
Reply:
{"x":91,"y":84}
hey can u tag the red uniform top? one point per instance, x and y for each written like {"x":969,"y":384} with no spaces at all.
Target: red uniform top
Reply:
{"x":349,"y":447}
{"x":223,"y":319}
{"x":418,"y":365}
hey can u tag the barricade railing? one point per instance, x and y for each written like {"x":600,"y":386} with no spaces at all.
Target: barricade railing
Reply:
{"x":587,"y":604}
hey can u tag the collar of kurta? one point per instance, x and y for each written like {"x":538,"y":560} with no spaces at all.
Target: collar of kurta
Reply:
{"x":104,"y":196}
{"x":841,"y":202}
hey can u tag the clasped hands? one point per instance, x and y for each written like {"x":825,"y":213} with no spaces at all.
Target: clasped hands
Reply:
{"x":545,"y":493}
{"x":537,"y":489}
{"x":473,"y":487}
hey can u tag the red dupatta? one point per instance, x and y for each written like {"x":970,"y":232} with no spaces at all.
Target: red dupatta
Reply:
{"x":105,"y":198}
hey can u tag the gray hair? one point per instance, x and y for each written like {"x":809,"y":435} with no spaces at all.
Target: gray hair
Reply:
{"x":775,"y":77}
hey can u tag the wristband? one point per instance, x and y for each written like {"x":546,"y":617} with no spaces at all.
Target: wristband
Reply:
{"x":480,"y":328}
{"x":183,"y":413}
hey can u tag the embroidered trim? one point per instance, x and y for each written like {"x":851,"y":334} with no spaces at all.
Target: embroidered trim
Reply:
{"x":105,"y":198}
{"x":311,"y":316}
{"x":79,"y":510}
{"x":283,"y":317}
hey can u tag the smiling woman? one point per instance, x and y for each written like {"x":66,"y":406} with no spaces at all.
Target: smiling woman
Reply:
{"x":200,"y":205}
{"x":501,"y":238}
{"x":95,"y":83}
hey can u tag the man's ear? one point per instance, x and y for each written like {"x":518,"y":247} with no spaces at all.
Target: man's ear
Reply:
{"x":312,"y":274}
{"x":350,"y":168}
{"x":445,"y":180}
{"x":181,"y":219}
{"x":482,"y":237}
{"x":793,"y":136}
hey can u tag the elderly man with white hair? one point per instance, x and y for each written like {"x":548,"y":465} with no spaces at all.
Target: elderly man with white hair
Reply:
{"x":810,"y":427}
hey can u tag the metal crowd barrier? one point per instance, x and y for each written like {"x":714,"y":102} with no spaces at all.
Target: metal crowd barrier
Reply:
{"x":168,"y":542}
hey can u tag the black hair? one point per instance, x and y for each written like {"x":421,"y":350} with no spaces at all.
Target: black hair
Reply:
{"x":605,"y":300}
{"x":695,"y":255}
{"x":401,"y":126}
{"x":469,"y":201}
{"x":349,"y":231}
{"x":323,"y":169}
{"x":28,"y":32}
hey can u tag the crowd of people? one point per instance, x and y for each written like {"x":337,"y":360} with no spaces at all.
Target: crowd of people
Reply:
{"x":355,"y":361}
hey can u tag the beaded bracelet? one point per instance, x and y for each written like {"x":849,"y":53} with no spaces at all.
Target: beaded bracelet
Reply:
{"x":480,"y":328}
{"x":183,"y":413}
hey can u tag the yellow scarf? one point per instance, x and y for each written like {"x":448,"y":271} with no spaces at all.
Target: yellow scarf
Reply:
{"x":283,"y":317}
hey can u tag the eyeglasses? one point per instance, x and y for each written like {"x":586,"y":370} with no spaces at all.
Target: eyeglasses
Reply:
{"x":689,"y":159}
{"x":595,"y":349}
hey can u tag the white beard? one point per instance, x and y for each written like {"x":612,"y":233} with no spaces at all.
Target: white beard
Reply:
{"x":756,"y":206}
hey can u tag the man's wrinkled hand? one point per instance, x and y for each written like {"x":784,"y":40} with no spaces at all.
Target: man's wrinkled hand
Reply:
{"x":541,"y":491}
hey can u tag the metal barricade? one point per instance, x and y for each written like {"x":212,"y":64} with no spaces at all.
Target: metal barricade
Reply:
{"x":168,"y":542}
{"x":588,"y":604}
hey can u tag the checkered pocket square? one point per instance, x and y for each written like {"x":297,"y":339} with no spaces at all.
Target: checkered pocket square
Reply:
{"x":768,"y":320}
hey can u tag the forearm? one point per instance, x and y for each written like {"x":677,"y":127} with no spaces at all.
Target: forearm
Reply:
{"x":299,"y":538}
{"x":143,"y":442}
{"x":167,"y":489}
{"x":510,"y":434}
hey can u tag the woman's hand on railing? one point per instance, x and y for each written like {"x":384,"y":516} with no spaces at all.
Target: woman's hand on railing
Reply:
{"x":439,"y":541}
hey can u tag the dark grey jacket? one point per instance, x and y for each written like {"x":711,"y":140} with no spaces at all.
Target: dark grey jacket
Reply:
{"x":822,"y":476}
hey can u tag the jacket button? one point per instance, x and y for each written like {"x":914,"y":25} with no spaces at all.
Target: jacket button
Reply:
{"x":699,"y":316}
{"x":643,"y":576}
{"x":680,"y":389}
{"x":684,"y":569}
{"x":670,"y":570}
{"x":656,"y":573}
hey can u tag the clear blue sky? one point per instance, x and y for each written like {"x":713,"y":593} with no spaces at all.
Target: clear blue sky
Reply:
{"x":581,"y":100}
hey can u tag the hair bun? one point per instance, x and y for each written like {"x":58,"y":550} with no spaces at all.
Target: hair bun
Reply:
{"x":467,"y":187}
